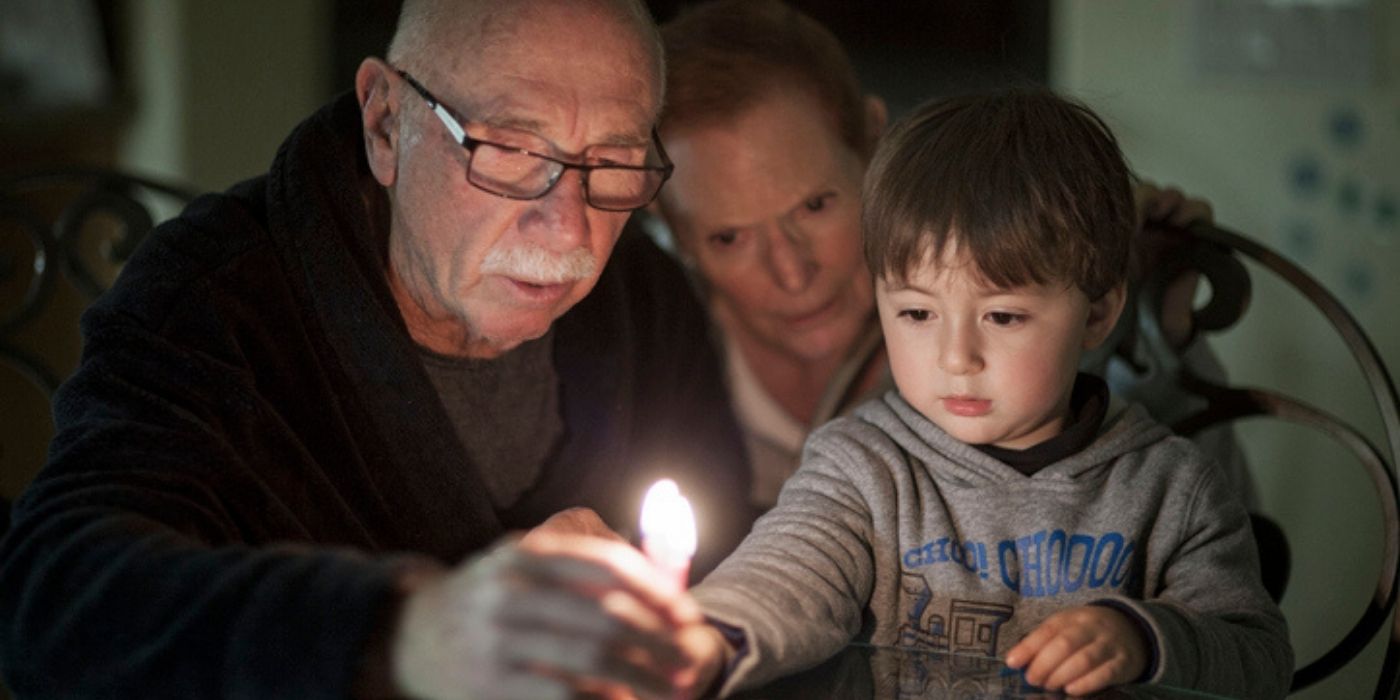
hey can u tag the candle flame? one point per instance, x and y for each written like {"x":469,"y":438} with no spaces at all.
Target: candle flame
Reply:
{"x":668,"y":524}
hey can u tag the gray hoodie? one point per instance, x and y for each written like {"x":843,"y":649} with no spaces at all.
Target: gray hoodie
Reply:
{"x":893,"y":532}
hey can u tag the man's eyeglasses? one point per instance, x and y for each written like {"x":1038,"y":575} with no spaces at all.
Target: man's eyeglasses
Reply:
{"x":520,"y":173}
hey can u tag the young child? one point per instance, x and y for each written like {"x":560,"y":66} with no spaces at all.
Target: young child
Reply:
{"x":997,"y":504}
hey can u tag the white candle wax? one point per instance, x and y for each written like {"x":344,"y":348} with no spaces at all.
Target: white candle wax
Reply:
{"x":668,"y":531}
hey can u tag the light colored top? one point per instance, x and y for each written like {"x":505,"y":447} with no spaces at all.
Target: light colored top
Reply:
{"x":773,"y":437}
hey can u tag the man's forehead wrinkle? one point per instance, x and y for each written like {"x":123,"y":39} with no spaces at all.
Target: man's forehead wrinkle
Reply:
{"x":549,"y":67}
{"x":506,"y":110}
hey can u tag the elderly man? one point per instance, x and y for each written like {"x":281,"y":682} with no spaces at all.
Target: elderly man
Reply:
{"x":311,"y":404}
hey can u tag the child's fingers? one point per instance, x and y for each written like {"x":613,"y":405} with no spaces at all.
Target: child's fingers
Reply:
{"x":1080,"y":650}
{"x":1070,"y":668}
{"x":1058,"y":662}
{"x":1095,"y":680}
{"x":1091,"y":667}
{"x":1026,"y":649}
{"x":1048,"y":645}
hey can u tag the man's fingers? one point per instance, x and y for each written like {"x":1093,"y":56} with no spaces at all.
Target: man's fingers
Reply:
{"x":606,"y":564}
{"x":617,"y":618}
{"x":573,"y":521}
{"x":583,"y":614}
{"x":559,"y":617}
{"x":525,"y":685}
{"x":584,"y":662}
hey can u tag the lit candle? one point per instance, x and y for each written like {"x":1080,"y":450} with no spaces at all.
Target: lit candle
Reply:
{"x":668,"y":531}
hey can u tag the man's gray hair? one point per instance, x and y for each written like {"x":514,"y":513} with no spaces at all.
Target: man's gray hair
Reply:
{"x":422,"y":21}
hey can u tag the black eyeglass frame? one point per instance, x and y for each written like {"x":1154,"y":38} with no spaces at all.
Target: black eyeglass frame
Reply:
{"x":469,"y":142}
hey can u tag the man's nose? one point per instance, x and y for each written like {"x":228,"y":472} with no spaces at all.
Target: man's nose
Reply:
{"x":958,"y":349}
{"x":561,"y":216}
{"x":790,"y":257}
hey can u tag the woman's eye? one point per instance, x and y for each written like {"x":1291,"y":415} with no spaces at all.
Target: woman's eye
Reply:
{"x":1005,"y":318}
{"x":916,"y":315}
{"x":817,"y":203}
{"x":724,"y":238}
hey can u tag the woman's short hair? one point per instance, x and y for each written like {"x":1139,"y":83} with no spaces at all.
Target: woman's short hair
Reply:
{"x":723,"y":57}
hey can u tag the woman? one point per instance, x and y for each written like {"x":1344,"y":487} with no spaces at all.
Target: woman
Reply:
{"x":770,"y":135}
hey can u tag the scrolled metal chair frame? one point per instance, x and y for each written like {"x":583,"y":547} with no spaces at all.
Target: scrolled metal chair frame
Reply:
{"x":1211,"y":250}
{"x":57,"y":243}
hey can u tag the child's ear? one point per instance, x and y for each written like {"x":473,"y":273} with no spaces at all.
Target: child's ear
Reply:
{"x":1103,"y":315}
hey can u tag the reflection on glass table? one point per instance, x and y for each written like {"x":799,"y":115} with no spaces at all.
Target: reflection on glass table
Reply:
{"x":864,"y":672}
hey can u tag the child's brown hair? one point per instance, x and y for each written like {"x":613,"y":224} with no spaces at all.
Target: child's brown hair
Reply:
{"x":1031,"y":186}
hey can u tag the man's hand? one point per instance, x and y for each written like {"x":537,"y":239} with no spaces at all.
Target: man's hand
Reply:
{"x":1082,"y":650}
{"x":560,"y":616}
{"x":573,"y":521}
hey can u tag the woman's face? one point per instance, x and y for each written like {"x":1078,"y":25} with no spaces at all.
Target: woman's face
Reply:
{"x":768,"y":209}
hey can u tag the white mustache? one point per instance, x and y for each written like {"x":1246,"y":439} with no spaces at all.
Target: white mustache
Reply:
{"x":533,"y":263}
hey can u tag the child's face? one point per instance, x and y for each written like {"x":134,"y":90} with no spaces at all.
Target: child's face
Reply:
{"x":988,"y":366}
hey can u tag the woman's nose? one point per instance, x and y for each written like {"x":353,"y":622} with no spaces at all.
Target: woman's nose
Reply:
{"x":790,"y":258}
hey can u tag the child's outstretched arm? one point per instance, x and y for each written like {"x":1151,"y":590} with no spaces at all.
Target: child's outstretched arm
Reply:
{"x":1082,"y":650}
{"x":796,"y":589}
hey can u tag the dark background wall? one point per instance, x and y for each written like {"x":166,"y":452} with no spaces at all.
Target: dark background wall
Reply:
{"x":904,"y":50}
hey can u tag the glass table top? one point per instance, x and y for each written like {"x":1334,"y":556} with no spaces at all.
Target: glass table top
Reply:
{"x":864,"y":672}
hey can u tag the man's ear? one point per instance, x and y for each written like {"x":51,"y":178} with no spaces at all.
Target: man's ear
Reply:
{"x":379,"y":115}
{"x":1103,"y":315}
{"x":877,"y":116}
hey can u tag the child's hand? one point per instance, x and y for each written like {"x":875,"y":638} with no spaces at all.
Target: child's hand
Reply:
{"x":1081,"y":650}
{"x":706,"y":651}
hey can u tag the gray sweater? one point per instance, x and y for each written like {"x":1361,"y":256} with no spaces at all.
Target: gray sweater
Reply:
{"x":894,"y":533}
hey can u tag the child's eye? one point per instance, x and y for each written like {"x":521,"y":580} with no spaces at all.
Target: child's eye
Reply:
{"x":916,"y":315}
{"x":1005,"y":318}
